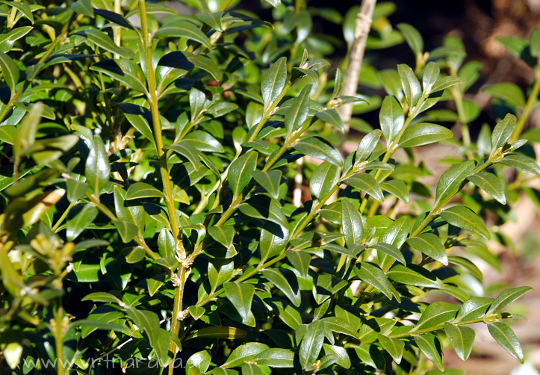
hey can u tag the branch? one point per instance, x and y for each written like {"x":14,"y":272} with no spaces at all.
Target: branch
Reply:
{"x":363,"y":24}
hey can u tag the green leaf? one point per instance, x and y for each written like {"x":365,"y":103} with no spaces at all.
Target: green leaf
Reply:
{"x":224,"y":234}
{"x":244,"y":353}
{"x":241,"y":296}
{"x":311,"y":345}
{"x":461,"y":338}
{"x":412,"y":37}
{"x":275,"y":357}
{"x":390,"y":250}
{"x":507,"y":297}
{"x":269,"y":181}
{"x":10,"y":71}
{"x":409,"y":83}
{"x":114,"y":17}
{"x":166,"y":246}
{"x":102,"y":40}
{"x":507,"y":339}
{"x":424,"y":133}
{"x":319,"y":149}
{"x":289,"y":315}
{"x":394,"y":347}
{"x":97,"y":169}
{"x":183,"y":29}
{"x":428,"y":345}
{"x":451,"y":180}
{"x":199,"y":361}
{"x":465,"y":218}
{"x":187,"y":150}
{"x":324,"y":179}
{"x":351,"y":224}
{"x":397,"y":188}
{"x":241,"y":172}
{"x":202,"y":141}
{"x":128,"y":79}
{"x":277,"y":278}
{"x":376,"y":277}
{"x":337,"y":354}
{"x":491,"y":184}
{"x":205,"y":63}
{"x":127,"y":230}
{"x":366,"y":183}
{"x":521,"y":162}
{"x":83,"y":219}
{"x":410,"y":276}
{"x":508,"y":92}
{"x":331,"y":117}
{"x":391,"y":118}
{"x":273,"y":82}
{"x":297,"y":113}
{"x":430,"y":76}
{"x":474,"y":308}
{"x":535,"y":43}
{"x":435,"y":315}
{"x":23,"y":8}
{"x":503,"y":130}
{"x":431,"y":245}
{"x":515,"y":45}
{"x":142,"y":190}
{"x":75,"y":189}
{"x":367,"y":145}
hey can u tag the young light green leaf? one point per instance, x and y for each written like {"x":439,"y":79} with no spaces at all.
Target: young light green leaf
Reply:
{"x":241,"y":172}
{"x":522,"y":162}
{"x":324,"y":179}
{"x":298,"y":112}
{"x":424,"y":133}
{"x":351,"y":223}
{"x":273,"y":82}
{"x":503,"y":130}
{"x":491,"y":184}
{"x":507,"y":339}
{"x":461,"y":338}
{"x":319,"y":149}
{"x":452,"y":179}
{"x":431,"y":75}
{"x":391,"y":118}
{"x":465,"y":218}
{"x":429,"y":244}
{"x":366,"y":183}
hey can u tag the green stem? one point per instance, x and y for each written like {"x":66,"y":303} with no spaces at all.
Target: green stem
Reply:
{"x":457,"y":95}
{"x":58,"y":333}
{"x":531,"y":102}
{"x":64,"y":215}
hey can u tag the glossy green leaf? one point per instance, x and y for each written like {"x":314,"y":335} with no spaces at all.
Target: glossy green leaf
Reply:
{"x":424,"y":134}
{"x":241,"y":172}
{"x":506,"y":297}
{"x":428,"y":344}
{"x":331,"y":117}
{"x":10,"y":71}
{"x":273,"y":82}
{"x":491,"y":184}
{"x":241,"y":296}
{"x":368,"y":144}
{"x":430,"y":76}
{"x":319,"y":149}
{"x":391,"y":118}
{"x":394,"y":347}
{"x":199,"y":361}
{"x":142,"y":190}
{"x":126,"y":230}
{"x":461,"y":338}
{"x":522,"y":162}
{"x":244,"y":353}
{"x":324,"y":179}
{"x":507,"y":339}
{"x":337,"y":354}
{"x":275,"y":357}
{"x":311,"y":345}
{"x":412,"y":37}
{"x":503,"y":130}
{"x":397,"y":188}
{"x":202,"y":141}
{"x":218,"y":332}
{"x":376,"y":277}
{"x":97,"y":169}
{"x":509,"y":92}
{"x":366,"y":183}
{"x":410,"y":84}
{"x":429,"y":244}
{"x":391,"y":250}
{"x":183,"y":29}
{"x":465,"y":218}
{"x":351,"y":223}
{"x":297,"y":114}
{"x":102,"y":40}
{"x":410,"y":276}
{"x":279,"y":279}
{"x":451,"y":180}
{"x":474,"y":308}
{"x":83,"y":219}
{"x":269,"y":181}
{"x":435,"y":315}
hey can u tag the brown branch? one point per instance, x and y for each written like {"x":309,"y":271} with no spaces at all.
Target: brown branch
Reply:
{"x":356,"y":55}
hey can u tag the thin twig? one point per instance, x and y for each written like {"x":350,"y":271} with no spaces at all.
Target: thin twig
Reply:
{"x":350,"y":84}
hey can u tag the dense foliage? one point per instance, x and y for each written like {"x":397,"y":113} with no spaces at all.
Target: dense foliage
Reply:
{"x":147,"y":168}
